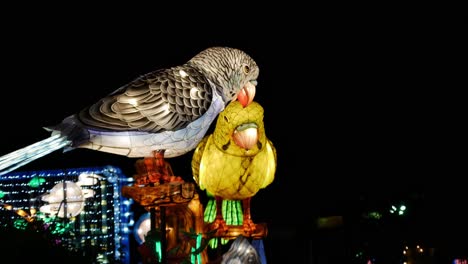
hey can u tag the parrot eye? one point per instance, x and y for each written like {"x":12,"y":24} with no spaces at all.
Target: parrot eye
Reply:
{"x":246,"y":69}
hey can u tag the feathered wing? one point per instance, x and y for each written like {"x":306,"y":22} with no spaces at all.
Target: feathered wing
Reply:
{"x":197,"y":155}
{"x":168,"y":109}
{"x":235,"y":177}
{"x":269,"y":167}
{"x":164,"y":100}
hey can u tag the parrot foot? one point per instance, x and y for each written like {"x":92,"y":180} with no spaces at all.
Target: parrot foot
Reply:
{"x":249,"y":226}
{"x":219,"y":224}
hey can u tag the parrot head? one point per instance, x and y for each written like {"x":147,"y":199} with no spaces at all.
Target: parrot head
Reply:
{"x":240,"y":130}
{"x":232,"y":70}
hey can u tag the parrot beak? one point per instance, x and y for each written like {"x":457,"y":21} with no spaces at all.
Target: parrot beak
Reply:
{"x":246,"y":135}
{"x":247,"y":94}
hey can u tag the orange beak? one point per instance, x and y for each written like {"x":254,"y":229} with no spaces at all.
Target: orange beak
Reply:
{"x":247,"y":94}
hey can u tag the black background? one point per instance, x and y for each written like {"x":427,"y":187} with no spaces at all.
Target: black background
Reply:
{"x":362,"y":107}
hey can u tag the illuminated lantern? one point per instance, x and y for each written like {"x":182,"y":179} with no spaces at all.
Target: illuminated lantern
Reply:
{"x":65,"y":200}
{"x":101,"y":231}
{"x":235,"y":162}
{"x":142,"y":226}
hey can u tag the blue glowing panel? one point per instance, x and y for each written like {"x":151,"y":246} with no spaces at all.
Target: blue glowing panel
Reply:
{"x":96,"y":217}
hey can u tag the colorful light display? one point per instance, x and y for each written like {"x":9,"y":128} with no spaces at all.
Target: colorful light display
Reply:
{"x":102,"y":218}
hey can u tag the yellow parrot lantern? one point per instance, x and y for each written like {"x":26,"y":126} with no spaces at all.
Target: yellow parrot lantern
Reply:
{"x":236,"y":160}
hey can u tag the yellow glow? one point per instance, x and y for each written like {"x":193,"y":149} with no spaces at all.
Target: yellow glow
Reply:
{"x":404,"y":252}
{"x":421,"y":250}
{"x":182,"y":73}
{"x":329,"y":221}
{"x":22,"y":213}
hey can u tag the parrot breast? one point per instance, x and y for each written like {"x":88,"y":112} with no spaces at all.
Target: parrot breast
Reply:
{"x":236,"y":177}
{"x":237,"y":160}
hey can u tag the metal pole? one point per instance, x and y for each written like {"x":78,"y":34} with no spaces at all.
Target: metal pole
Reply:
{"x":153,"y":222}
{"x":163,"y":235}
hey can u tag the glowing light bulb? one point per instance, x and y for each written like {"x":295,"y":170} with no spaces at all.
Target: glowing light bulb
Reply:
{"x":65,"y":199}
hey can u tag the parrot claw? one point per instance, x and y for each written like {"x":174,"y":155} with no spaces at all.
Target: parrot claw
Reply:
{"x":249,"y":226}
{"x":219,"y":224}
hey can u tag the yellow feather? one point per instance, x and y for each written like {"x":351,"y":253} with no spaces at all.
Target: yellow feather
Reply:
{"x":225,"y":169}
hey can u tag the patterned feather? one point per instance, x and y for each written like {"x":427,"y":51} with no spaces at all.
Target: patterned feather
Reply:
{"x":167,"y":110}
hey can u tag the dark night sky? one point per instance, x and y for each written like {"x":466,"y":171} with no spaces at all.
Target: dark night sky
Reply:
{"x":352,"y":103}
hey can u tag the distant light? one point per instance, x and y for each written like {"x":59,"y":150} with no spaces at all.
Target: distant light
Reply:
{"x":401,"y":209}
{"x":375,"y":215}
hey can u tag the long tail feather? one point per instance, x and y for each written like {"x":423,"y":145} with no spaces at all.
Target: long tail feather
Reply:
{"x":23,"y":156}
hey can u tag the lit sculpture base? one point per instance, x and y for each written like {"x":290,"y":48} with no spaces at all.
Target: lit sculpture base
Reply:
{"x":165,"y":194}
{"x":174,"y":208}
{"x":234,"y":231}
